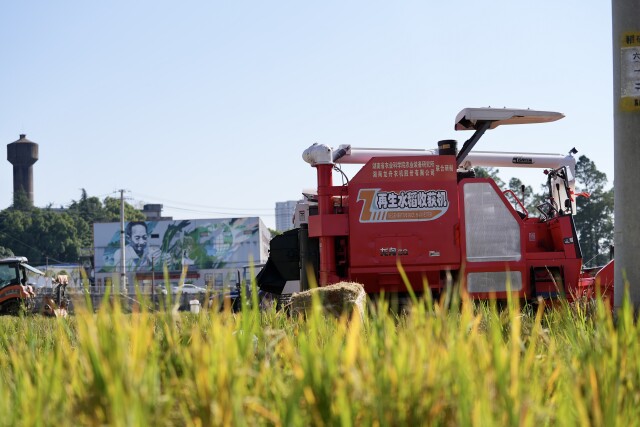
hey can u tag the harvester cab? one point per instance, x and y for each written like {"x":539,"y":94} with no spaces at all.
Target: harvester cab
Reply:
{"x":427,"y":212}
{"x":16,"y":294}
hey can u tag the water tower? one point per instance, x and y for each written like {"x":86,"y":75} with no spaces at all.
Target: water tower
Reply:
{"x":22,"y":154}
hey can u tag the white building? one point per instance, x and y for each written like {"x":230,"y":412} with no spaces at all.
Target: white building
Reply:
{"x":212,"y":253}
{"x":284,"y":215}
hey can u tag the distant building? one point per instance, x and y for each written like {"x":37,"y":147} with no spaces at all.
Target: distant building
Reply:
{"x":284,"y":215}
{"x":51,"y":271}
{"x":153,"y":212}
{"x":211,"y":253}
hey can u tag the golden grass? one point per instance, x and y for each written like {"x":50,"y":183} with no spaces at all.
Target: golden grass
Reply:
{"x":470,"y":365}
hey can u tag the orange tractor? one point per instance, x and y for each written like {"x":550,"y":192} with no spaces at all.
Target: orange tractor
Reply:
{"x":18,"y":296}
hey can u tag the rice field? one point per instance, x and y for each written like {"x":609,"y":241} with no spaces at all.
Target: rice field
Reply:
{"x":456,"y":364}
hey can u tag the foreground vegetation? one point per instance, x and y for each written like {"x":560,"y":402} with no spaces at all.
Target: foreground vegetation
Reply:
{"x":475,"y":365}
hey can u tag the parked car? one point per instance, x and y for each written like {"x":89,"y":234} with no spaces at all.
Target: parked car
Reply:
{"x":187,"y":288}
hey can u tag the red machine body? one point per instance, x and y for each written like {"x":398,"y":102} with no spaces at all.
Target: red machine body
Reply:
{"x":413,"y":211}
{"x":425,"y":212}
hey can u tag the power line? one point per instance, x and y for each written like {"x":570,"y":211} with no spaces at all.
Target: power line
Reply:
{"x":213,"y":212}
{"x":100,"y":197}
{"x":186,"y":206}
{"x":32,"y":248}
{"x":201,"y":206}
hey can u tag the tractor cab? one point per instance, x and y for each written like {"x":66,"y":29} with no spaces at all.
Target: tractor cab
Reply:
{"x":15,"y":291}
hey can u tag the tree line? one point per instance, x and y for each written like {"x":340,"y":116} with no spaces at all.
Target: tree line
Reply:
{"x":60,"y":235}
{"x":57,"y":235}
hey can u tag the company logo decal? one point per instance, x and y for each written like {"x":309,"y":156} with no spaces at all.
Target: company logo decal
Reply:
{"x":393,"y":252}
{"x":403,"y":206}
{"x":522,"y":160}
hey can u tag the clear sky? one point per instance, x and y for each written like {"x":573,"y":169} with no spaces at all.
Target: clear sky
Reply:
{"x":206,"y":106}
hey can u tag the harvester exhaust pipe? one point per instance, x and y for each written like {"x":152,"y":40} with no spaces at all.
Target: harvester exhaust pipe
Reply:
{"x":448,"y":147}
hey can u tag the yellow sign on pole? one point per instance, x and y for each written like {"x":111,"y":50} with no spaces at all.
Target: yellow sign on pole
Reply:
{"x":630,"y":72}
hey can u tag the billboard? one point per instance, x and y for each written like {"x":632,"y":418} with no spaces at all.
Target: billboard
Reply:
{"x":194,"y":244}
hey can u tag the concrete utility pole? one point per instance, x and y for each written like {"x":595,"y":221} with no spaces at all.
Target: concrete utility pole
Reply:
{"x":123,"y":265}
{"x":626,"y":135}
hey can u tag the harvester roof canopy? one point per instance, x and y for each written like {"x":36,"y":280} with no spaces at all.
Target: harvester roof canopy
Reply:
{"x":471,"y":118}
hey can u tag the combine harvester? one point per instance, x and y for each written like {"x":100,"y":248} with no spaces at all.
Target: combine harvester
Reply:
{"x":427,"y":211}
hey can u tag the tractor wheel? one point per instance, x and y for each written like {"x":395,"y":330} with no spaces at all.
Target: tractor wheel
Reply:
{"x":16,"y":307}
{"x":11,"y":307}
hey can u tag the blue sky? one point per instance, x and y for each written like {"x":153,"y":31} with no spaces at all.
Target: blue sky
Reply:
{"x":206,"y":106}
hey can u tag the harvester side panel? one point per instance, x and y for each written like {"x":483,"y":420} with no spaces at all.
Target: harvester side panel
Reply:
{"x":539,"y":241}
{"x":547,"y":260}
{"x":562,"y":230}
{"x":403,"y":209}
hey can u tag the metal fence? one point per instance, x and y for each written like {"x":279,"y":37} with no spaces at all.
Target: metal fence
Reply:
{"x":95,"y":298}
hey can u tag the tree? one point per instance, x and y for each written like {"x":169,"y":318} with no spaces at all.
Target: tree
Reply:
{"x":92,"y":210}
{"x":489,"y":173}
{"x":5,"y":252}
{"x":594,"y":215}
{"x":112,"y":211}
{"x":57,"y":235}
{"x":40,"y":234}
{"x":525,"y":194}
{"x":21,"y":201}
{"x":528,"y":197}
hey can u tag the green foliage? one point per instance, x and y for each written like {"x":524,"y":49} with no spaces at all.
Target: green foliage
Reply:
{"x":594,"y":217}
{"x":92,"y":210}
{"x":530,"y":199}
{"x":21,"y":201}
{"x":525,"y":194}
{"x":489,"y":173}
{"x":5,"y":252}
{"x":274,"y":233}
{"x":39,"y":233}
{"x":112,"y":211}
{"x":58,"y":235}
